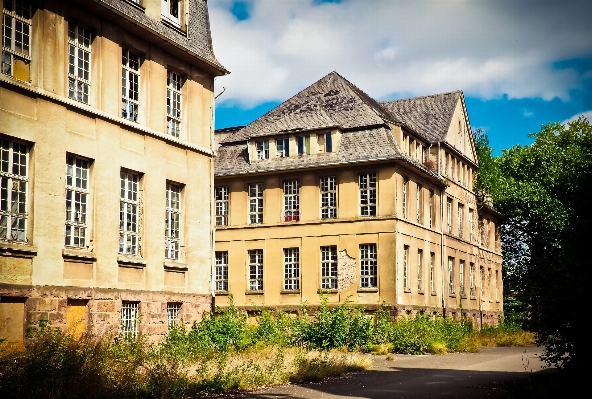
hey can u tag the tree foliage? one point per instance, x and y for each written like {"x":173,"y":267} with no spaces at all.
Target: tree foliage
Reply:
{"x":545,"y":191}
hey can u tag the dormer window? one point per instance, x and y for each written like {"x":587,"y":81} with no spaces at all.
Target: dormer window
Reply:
{"x":282,"y":147}
{"x":328,"y":143}
{"x":170,"y":11}
{"x":263,"y":150}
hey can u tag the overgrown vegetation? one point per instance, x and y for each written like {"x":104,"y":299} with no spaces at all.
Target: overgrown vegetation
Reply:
{"x":226,"y":352}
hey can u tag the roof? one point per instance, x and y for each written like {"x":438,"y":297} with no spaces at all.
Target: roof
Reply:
{"x":429,"y":116}
{"x":198,"y":39}
{"x":332,"y":101}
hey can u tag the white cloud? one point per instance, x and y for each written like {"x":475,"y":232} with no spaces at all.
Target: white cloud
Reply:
{"x":390,"y":48}
{"x":587,"y":115}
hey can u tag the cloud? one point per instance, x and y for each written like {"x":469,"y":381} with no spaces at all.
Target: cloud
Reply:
{"x":401,"y":48}
{"x":587,"y":115}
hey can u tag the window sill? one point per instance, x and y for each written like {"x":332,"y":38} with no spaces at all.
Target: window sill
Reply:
{"x":222,"y":293}
{"x":128,"y":261}
{"x":473,"y":297}
{"x":452,"y":295}
{"x":173,"y":25}
{"x":420,"y":292}
{"x":463,"y":296}
{"x":175,"y":266}
{"x":79,"y":255}
{"x":367,"y":289}
{"x":21,"y":250}
{"x":322,"y":291}
{"x":254,"y":292}
{"x":433,"y":293}
{"x":407,"y":290}
{"x":288,"y":292}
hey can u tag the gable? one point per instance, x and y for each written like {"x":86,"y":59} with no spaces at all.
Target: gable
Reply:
{"x":459,"y":133}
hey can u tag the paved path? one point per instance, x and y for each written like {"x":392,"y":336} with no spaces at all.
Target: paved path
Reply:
{"x":456,"y":375}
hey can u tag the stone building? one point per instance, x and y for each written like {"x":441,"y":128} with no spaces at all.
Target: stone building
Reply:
{"x":335,"y":192}
{"x":106,"y":165}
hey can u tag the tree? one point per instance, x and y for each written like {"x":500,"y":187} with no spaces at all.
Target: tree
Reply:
{"x":545,"y":191}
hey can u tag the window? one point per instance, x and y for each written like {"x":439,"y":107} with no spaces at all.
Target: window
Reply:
{"x":174,"y":96}
{"x":489,"y":283}
{"x":419,"y":269}
{"x":470,"y":225}
{"x":262,"y":150}
{"x":328,"y":197}
{"x":300,"y":141}
{"x":495,"y":284}
{"x":368,"y":194}
{"x":406,"y":267}
{"x":461,"y":277}
{"x":368,"y":266}
{"x":256,"y":270}
{"x":432,"y":261}
{"x":173,"y":311}
{"x":485,"y":233}
{"x":129,"y":318}
{"x":173,"y":221}
{"x":129,"y":204}
{"x":221,"y":271}
{"x":405,"y":184}
{"x":130,"y":85}
{"x":291,"y":201}
{"x":170,"y":11}
{"x":291,"y":269}
{"x":282,"y":147}
{"x":328,"y":142}
{"x":256,"y":203}
{"x":461,"y":209}
{"x":451,"y":275}
{"x":78,"y":63}
{"x":411,"y":146}
{"x":221,"y":194}
{"x":77,"y":193}
{"x":471,"y":279}
{"x":329,"y":268}
{"x":449,"y":215}
{"x":14,"y":181}
{"x":431,"y":209}
{"x":16,"y":38}
{"x":403,"y":144}
{"x":418,"y":204}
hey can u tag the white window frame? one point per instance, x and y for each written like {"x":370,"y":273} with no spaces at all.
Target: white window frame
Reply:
{"x":255,"y":269}
{"x":221,"y":269}
{"x":419,"y":269}
{"x":406,"y":267}
{"x":255,"y":203}
{"x":461,"y":277}
{"x":291,"y":268}
{"x":450,"y":275}
{"x":461,"y":215}
{"x":328,"y":190}
{"x":329,"y":271}
{"x":262,"y":148}
{"x":404,"y":199}
{"x":14,"y":190}
{"x":129,"y":212}
{"x":79,"y":62}
{"x":173,"y":313}
{"x":77,"y":195}
{"x":282,"y":147}
{"x":471,"y":279}
{"x":129,"y":318}
{"x":368,"y":266}
{"x":368,"y":197}
{"x":174,"y":103}
{"x":291,"y":201}
{"x":222,"y":205}
{"x":168,"y":11}
{"x":16,"y":24}
{"x":173,"y":221}
{"x":418,"y":203}
{"x":470,"y":225}
{"x":130,"y":85}
{"x":432,"y":259}
{"x":449,"y":215}
{"x":431,"y":208}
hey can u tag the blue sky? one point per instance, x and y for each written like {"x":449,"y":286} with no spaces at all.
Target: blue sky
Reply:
{"x":521,"y":64}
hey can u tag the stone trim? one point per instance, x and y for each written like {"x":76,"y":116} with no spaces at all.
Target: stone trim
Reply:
{"x":131,"y":262}
{"x":19,"y":250}
{"x":78,"y":255}
{"x":175,"y":266}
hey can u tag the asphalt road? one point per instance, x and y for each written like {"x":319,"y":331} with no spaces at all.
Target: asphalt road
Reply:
{"x":456,"y":375}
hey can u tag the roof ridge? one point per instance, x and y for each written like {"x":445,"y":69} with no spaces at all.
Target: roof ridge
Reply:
{"x":426,"y":96}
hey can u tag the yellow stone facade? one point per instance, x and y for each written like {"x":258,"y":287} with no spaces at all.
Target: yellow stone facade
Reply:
{"x":107,"y":107}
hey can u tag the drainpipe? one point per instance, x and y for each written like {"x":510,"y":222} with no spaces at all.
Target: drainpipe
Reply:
{"x":212,"y":210}
{"x":442,"y":239}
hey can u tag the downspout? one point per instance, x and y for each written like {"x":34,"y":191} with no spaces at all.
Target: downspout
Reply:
{"x":442,"y":239}
{"x":212,"y":209}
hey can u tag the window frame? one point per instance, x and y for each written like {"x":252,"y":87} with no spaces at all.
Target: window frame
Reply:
{"x":130,"y":106}
{"x":419,"y":270}
{"x":221,"y":271}
{"x":173,"y":220}
{"x":255,"y":217}
{"x":368,"y":265}
{"x":461,"y":277}
{"x":291,"y":269}
{"x":125,"y":203}
{"x":130,"y":312}
{"x":10,"y":52}
{"x":291,"y":200}
{"x":329,"y":268}
{"x":7,"y":162}
{"x":284,"y":144}
{"x":418,"y":203}
{"x":75,"y":50}
{"x":432,"y":261}
{"x":328,"y":197}
{"x":84,"y":208}
{"x":222,"y":205}
{"x":168,"y":16}
{"x":262,"y":149}
{"x":449,"y":215}
{"x":368,"y":191}
{"x":406,"y":268}
{"x":461,"y":209}
{"x":255,"y":271}
{"x":173,"y":313}
{"x":451,"y":275}
{"x":174,"y":103}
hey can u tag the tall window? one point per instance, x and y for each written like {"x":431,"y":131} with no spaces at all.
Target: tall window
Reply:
{"x":368,"y":265}
{"x":368,"y":194}
{"x":263,"y":149}
{"x":495,"y":284}
{"x":432,"y":261}
{"x":174,"y":96}
{"x":485,"y":233}
{"x":431,"y":210}
{"x":282,"y":147}
{"x":449,"y":215}
{"x":129,"y":318}
{"x":405,"y":184}
{"x":461,"y":277}
{"x":170,"y":10}
{"x":419,"y":269}
{"x":256,"y":270}
{"x":129,"y":204}
{"x":300,"y":142}
{"x":470,"y":225}
{"x":489,"y":283}
{"x":221,"y":194}
{"x":328,"y":197}
{"x":78,"y":63}
{"x":451,"y":275}
{"x":329,"y":267}
{"x":221,"y":270}
{"x":418,"y":203}
{"x":472,"y":279}
{"x":130,"y":85}
{"x":291,"y":269}
{"x":461,"y":209}
{"x":173,"y":312}
{"x":16,"y":38}
{"x":173,"y":221}
{"x":14,"y":180}
{"x":406,"y":267}
{"x":291,"y":201}
{"x":77,"y":192}
{"x":256,"y":203}
{"x":328,"y":142}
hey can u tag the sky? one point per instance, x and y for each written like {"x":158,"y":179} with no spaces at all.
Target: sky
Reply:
{"x":521,"y":64}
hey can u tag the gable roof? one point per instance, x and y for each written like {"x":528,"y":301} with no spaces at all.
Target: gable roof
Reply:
{"x":429,"y":116}
{"x":332,"y":101}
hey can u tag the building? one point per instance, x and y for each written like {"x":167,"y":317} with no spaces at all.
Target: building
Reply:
{"x":333,"y":192}
{"x":106,"y":165}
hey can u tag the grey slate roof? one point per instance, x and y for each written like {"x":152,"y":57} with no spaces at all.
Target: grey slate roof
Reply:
{"x":198,"y":39}
{"x":429,"y":116}
{"x":331,"y":101}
